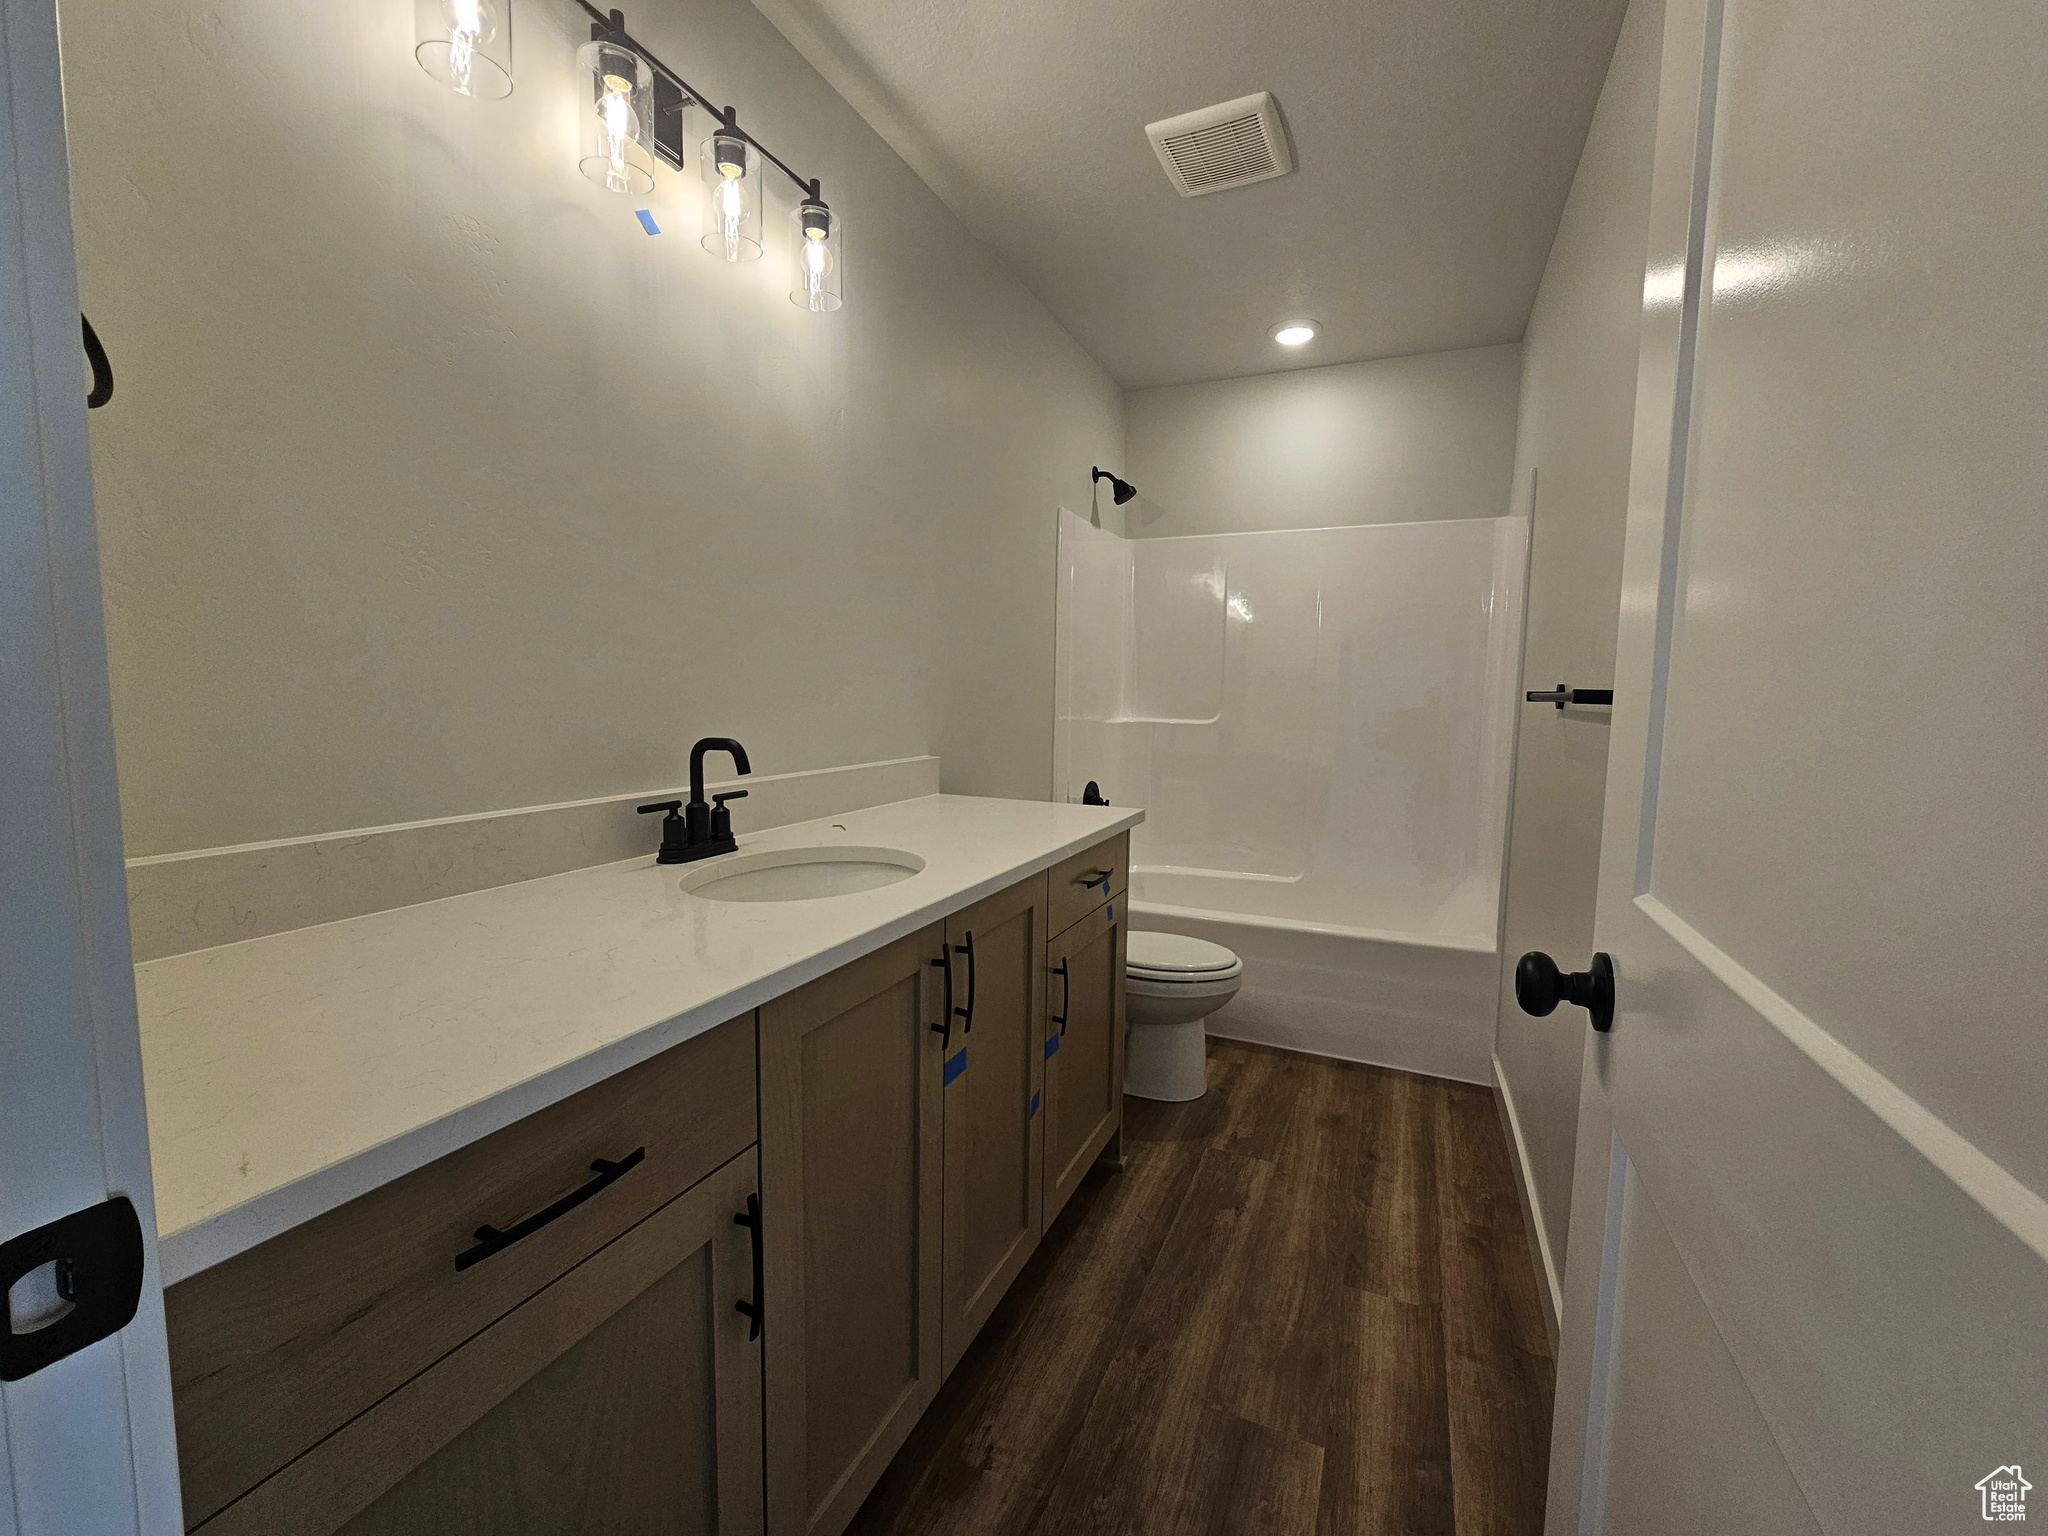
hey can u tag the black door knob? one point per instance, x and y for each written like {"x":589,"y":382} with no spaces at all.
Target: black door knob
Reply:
{"x":1540,"y":986}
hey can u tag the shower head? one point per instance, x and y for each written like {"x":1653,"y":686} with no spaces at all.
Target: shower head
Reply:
{"x":1120,"y":491}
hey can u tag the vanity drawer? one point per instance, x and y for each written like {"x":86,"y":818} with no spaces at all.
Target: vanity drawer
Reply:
{"x":1077,"y":886}
{"x":280,"y":1346}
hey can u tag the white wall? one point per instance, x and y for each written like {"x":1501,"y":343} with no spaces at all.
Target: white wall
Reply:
{"x":434,"y":485}
{"x":1395,"y":441}
{"x":1577,"y":415}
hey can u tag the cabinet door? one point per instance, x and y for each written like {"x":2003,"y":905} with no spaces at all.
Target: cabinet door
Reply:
{"x":852,"y":1140}
{"x":623,"y":1398}
{"x":994,"y":1073}
{"x":1084,"y":1049}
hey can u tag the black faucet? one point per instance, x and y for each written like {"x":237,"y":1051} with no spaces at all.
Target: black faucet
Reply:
{"x":700,"y":829}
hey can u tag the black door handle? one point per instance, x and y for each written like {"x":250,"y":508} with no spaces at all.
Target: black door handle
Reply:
{"x":490,"y":1240}
{"x":1540,"y":987}
{"x":944,"y":1027}
{"x":967,"y":949}
{"x":1066,"y":998}
{"x":752,"y":1310}
{"x":97,"y":1254}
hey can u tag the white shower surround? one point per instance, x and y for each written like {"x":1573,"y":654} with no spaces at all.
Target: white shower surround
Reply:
{"x":1319,"y":724}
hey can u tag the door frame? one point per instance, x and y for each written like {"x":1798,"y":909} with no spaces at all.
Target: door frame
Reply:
{"x":87,"y":1442}
{"x":1886,"y":1193}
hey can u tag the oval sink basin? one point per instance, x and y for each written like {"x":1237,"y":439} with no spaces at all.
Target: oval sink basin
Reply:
{"x":801,"y":874}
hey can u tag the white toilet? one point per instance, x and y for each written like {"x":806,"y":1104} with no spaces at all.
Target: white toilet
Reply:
{"x":1171,"y":984}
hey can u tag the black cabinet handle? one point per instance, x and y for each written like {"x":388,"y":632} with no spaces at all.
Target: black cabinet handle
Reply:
{"x":102,"y":371}
{"x":1540,"y":987}
{"x":752,"y":1310}
{"x":1066,"y":998}
{"x":967,"y":949}
{"x":490,"y":1240}
{"x":1099,"y":877}
{"x":945,"y":1025}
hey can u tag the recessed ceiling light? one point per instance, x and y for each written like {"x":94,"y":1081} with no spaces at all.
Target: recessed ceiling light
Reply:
{"x":1296,"y":333}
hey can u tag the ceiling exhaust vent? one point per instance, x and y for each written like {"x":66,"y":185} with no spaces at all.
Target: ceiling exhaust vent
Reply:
{"x":1223,"y":146}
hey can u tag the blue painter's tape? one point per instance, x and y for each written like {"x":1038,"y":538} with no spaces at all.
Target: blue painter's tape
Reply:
{"x":955,"y":1065}
{"x":647,"y":221}
{"x":1052,"y":1044}
{"x":1034,"y":1104}
{"x":1112,"y":911}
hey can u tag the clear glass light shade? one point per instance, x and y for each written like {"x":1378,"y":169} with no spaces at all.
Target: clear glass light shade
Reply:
{"x":465,"y":44}
{"x":817,"y":267}
{"x":732,"y":197}
{"x":618,"y":120}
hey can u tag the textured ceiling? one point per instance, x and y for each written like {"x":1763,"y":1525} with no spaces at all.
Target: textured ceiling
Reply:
{"x":1434,"y":142}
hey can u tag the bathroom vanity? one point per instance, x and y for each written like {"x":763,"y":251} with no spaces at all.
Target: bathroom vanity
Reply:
{"x":704,"y":1275}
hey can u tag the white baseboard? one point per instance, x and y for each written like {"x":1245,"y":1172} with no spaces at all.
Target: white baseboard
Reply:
{"x":1290,"y":1024}
{"x":1532,"y":1208}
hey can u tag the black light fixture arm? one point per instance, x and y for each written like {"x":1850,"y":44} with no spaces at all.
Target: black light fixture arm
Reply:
{"x":614,"y":24}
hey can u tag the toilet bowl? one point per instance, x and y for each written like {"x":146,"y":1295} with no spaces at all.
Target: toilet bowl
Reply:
{"x":1171,"y":984}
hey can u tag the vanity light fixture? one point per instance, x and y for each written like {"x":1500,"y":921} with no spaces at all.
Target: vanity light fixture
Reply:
{"x":732,"y":223}
{"x":636,"y":112}
{"x":1295,"y":333}
{"x":465,"y":44}
{"x":619,"y":87}
{"x":1120,"y":491}
{"x":814,"y":256}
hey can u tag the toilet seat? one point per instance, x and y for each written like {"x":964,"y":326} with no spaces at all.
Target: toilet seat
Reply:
{"x":1174,"y":959}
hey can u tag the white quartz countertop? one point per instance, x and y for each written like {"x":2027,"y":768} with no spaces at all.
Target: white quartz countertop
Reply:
{"x":287,"y":1075}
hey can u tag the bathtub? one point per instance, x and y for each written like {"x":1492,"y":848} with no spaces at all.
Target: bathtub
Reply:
{"x":1408,"y":979}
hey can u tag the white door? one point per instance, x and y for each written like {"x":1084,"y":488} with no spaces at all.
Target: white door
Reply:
{"x":1814,"y":1145}
{"x":85,"y":1440}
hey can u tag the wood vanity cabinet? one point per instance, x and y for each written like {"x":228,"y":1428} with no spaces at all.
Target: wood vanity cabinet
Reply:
{"x":1084,"y":1031}
{"x":719,"y":1304}
{"x":349,"y":1371}
{"x":994,"y":1074}
{"x":906,"y":1167}
{"x":852,"y":1143}
{"x":623,"y":1397}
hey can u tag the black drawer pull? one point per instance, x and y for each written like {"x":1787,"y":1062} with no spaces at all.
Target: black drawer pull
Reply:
{"x":1099,"y":877}
{"x":944,"y":1027}
{"x":752,"y":1310}
{"x":967,"y":949}
{"x":1066,"y":998}
{"x":490,"y":1240}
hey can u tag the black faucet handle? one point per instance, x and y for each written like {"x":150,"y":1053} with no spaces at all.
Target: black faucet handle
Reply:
{"x":721,"y":819}
{"x":670,"y":806}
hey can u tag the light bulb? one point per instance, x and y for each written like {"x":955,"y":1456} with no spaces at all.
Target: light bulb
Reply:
{"x":1299,"y":333}
{"x":615,"y":109}
{"x":731,"y":202}
{"x":615,"y":153}
{"x":732,"y":214}
{"x":465,"y":44}
{"x":817,"y":262}
{"x":465,"y":31}
{"x":814,"y":283}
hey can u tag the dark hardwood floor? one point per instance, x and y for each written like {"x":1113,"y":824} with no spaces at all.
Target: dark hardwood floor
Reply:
{"x":1306,"y":1305}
